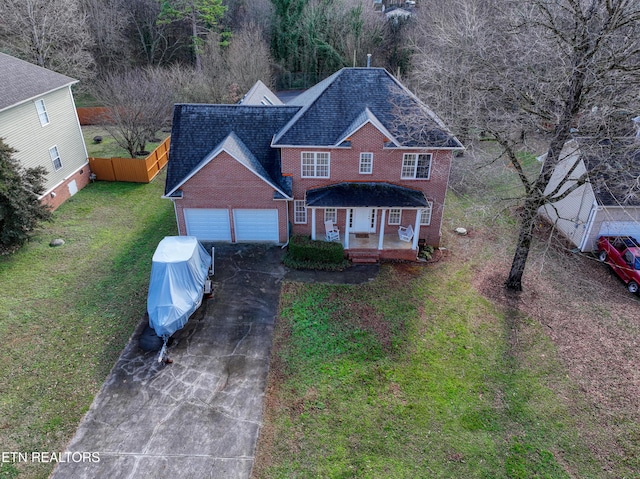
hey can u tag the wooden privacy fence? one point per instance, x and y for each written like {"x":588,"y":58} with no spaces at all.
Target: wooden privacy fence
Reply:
{"x":135,"y":170}
{"x":92,"y":115}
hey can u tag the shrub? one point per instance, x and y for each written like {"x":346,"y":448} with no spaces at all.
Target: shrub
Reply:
{"x":426,"y":252}
{"x":304,"y":253}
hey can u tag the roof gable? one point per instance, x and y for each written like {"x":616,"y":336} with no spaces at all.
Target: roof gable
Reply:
{"x":333,"y":105}
{"x":613,"y":166}
{"x":366,"y":117}
{"x":260,"y":94}
{"x":199,"y":129}
{"x":22,"y":81}
{"x":235,"y":148}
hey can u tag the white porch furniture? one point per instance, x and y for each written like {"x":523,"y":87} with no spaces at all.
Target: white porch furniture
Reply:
{"x":405,"y":233}
{"x":332,"y":233}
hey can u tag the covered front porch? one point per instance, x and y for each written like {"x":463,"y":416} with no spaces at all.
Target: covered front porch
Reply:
{"x":366,"y":218}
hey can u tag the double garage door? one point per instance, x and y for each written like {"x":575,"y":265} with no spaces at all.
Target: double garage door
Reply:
{"x":215,"y":224}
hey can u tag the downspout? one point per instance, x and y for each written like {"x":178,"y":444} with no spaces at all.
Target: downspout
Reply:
{"x":288,"y":235}
{"x":175,"y":211}
{"x":590,"y":221}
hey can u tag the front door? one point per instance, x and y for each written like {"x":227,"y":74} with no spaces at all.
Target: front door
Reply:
{"x":363,"y":220}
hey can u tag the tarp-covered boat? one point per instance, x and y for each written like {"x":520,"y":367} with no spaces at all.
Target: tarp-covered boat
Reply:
{"x":178,"y":274}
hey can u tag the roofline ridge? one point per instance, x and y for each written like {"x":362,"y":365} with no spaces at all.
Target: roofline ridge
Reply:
{"x":307,"y":106}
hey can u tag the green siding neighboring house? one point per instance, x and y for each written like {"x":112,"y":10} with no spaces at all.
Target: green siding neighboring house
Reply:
{"x":38,"y":119}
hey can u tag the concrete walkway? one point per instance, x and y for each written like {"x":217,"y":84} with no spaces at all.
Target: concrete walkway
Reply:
{"x":200,"y":416}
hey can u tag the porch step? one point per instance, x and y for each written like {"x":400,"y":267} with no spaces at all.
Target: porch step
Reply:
{"x":360,"y":257}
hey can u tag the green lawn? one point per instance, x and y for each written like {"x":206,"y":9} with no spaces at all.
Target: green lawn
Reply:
{"x":418,"y":375}
{"x":415,"y":375}
{"x":67,"y":312}
{"x":108,"y":148}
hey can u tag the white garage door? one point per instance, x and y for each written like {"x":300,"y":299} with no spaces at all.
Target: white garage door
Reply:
{"x":256,"y":225}
{"x":620,"y":228}
{"x":208,"y":224}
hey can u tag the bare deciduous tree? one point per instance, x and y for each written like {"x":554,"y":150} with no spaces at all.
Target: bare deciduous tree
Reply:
{"x":247,"y":59}
{"x":507,"y":68}
{"x":108,"y":22}
{"x":49,"y":33}
{"x":139,"y":104}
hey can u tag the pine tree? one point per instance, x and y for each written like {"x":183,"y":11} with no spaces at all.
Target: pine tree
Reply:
{"x":20,"y":207}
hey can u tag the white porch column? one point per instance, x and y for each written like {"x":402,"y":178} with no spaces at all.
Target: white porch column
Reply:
{"x":313,"y":223}
{"x":382,"y":222}
{"x":346,"y":228}
{"x":416,"y":230}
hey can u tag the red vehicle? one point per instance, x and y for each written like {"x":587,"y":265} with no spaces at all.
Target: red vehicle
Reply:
{"x":622,"y":253}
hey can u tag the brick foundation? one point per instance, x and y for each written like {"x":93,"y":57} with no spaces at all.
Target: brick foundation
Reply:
{"x":58,"y":195}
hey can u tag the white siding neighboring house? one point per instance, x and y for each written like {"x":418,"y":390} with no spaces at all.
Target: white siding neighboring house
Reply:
{"x":609,"y":203}
{"x":38,"y":119}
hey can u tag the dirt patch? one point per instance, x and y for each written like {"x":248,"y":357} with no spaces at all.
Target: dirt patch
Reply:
{"x":595,"y":325}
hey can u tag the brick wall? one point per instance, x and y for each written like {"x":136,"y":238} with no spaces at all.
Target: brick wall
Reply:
{"x":387,"y":165}
{"x":61,"y":192}
{"x":226,"y":183}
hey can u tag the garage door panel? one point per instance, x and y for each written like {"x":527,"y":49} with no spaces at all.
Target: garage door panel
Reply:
{"x":208,"y":224}
{"x":256,"y":225}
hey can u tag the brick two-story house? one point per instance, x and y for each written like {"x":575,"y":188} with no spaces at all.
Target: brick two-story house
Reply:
{"x":358,"y":150}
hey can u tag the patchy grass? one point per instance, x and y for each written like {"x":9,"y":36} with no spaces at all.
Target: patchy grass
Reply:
{"x":108,"y":148}
{"x":432,"y":371}
{"x":415,"y":375}
{"x":67,"y":312}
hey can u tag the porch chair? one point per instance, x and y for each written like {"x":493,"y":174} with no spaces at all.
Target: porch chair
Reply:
{"x":332,"y":233}
{"x":405,"y":233}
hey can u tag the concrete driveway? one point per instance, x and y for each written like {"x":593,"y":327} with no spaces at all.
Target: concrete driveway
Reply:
{"x":200,"y":416}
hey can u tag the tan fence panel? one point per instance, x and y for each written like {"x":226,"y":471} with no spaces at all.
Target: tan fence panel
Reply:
{"x":136,"y":170}
{"x":130,"y":169}
{"x":102,"y":168}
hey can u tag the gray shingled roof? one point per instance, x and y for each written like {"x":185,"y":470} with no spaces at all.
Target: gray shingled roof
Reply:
{"x":199,"y":129}
{"x":331,"y":106}
{"x":614,"y":169}
{"x":354,"y":195}
{"x":322,"y":116}
{"x":22,"y":81}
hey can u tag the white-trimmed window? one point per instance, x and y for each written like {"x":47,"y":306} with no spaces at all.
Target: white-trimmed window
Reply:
{"x":42,"y":112}
{"x":299,"y":211}
{"x":366,"y":163}
{"x":330,"y":215}
{"x":395,"y":215}
{"x":55,"y":158}
{"x":315,"y":164}
{"x":416,"y":166}
{"x":425,"y":215}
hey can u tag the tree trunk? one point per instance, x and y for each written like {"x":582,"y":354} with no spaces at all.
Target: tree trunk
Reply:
{"x":514,"y":281}
{"x":195,"y":39}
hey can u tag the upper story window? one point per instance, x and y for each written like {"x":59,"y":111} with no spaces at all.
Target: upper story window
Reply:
{"x":416,"y":165}
{"x":315,"y":164}
{"x":299,"y":211}
{"x":366,"y":163}
{"x":42,"y":112}
{"x":55,"y":158}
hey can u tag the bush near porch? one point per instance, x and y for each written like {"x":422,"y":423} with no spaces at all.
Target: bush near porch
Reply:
{"x":305,"y":253}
